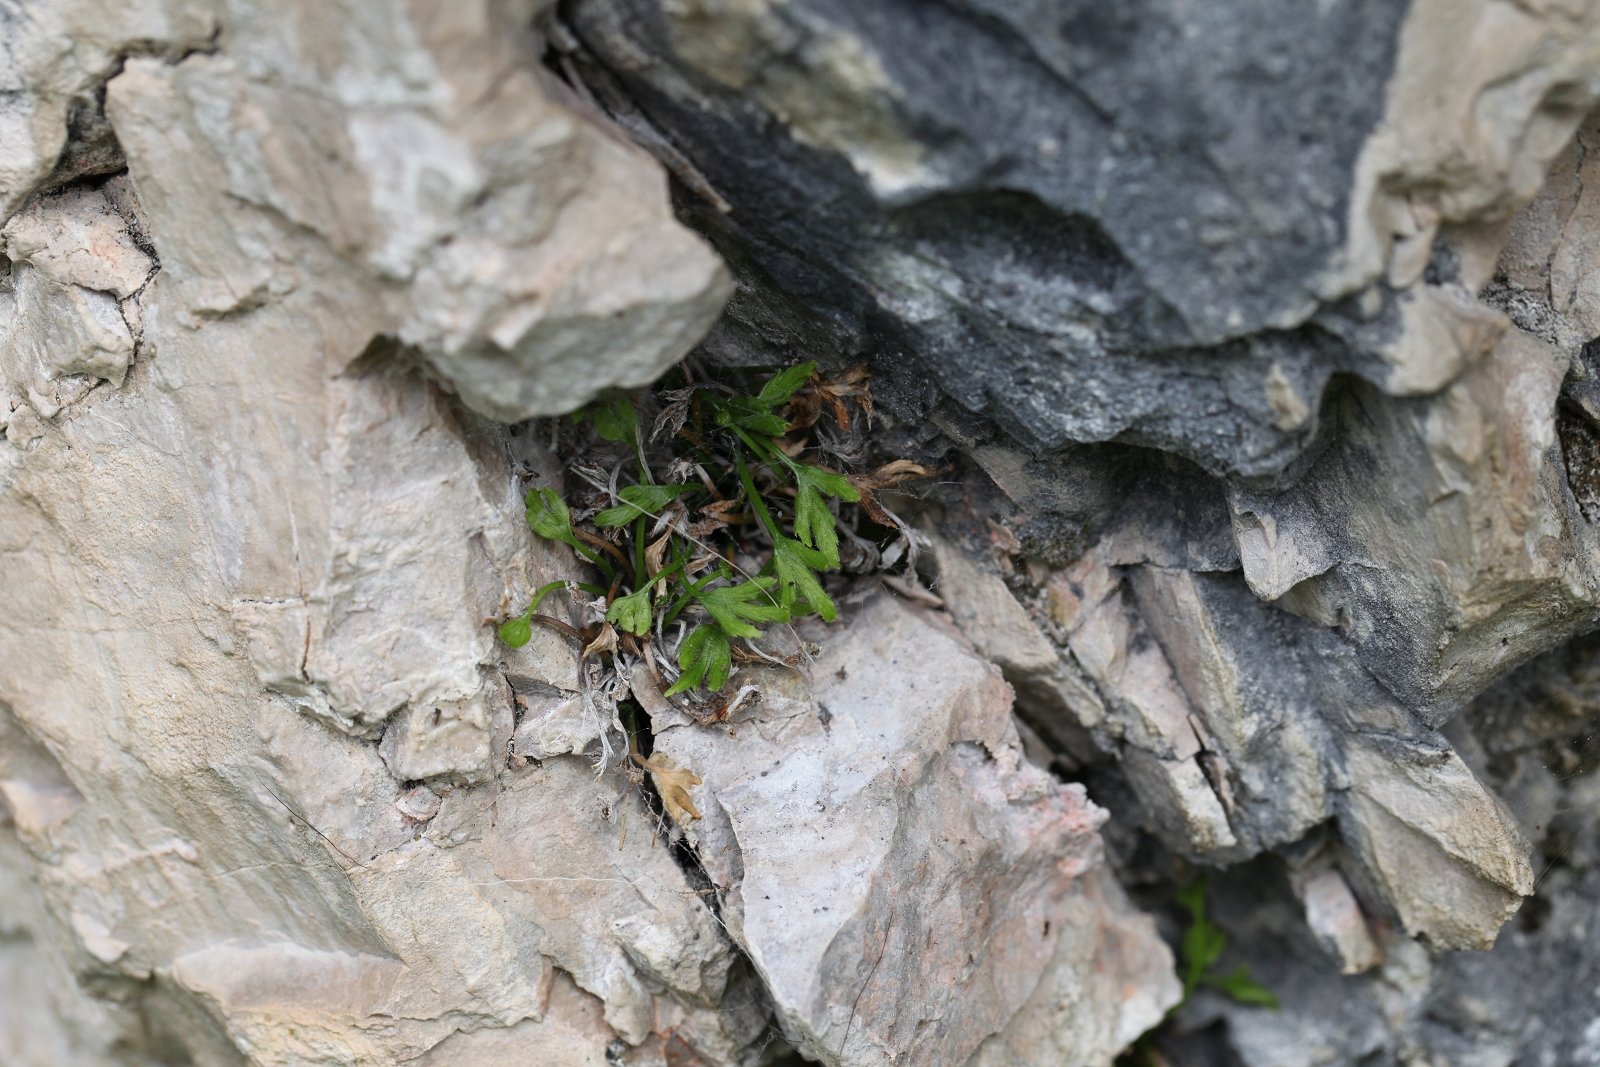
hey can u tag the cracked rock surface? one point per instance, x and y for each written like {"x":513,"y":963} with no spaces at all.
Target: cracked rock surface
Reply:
{"x":1254,"y":345}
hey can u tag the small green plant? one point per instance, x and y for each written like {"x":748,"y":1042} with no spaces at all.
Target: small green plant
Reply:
{"x":727,"y":524}
{"x":1202,"y":946}
{"x":1203,"y":943}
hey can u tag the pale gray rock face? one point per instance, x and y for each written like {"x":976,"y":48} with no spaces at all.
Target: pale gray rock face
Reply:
{"x":508,"y":240}
{"x":910,"y":889}
{"x":70,"y":312}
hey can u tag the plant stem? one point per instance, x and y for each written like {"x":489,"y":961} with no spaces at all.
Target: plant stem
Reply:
{"x":683,"y":601}
{"x":638,"y":553}
{"x":540,"y":595}
{"x":755,"y":498}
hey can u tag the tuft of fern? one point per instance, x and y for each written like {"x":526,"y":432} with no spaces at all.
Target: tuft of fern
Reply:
{"x":1203,"y":943}
{"x":738,"y":462}
{"x":1202,"y":946}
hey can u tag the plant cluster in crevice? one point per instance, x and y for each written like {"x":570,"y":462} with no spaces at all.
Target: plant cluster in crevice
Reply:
{"x":1201,"y":949}
{"x":710,"y":511}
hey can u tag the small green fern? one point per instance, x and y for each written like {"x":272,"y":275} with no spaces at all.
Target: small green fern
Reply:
{"x":656,"y":565}
{"x":1203,"y":943}
{"x":1202,"y":946}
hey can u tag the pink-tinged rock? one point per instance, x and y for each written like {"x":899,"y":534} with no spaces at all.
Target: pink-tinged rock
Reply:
{"x":899,"y":875}
{"x":1336,"y":919}
{"x":76,"y":237}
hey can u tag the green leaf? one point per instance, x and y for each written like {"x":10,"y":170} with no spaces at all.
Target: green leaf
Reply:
{"x":703,"y":656}
{"x":730,"y":606}
{"x":794,"y":563}
{"x":687,"y":595}
{"x":813,"y":522}
{"x":784,"y":383}
{"x":641,"y":501}
{"x":751,"y":414}
{"x":1241,"y":987}
{"x":616,"y":420}
{"x":631,"y":612}
{"x":516,"y":632}
{"x":548,"y":515}
{"x":1203,"y":942}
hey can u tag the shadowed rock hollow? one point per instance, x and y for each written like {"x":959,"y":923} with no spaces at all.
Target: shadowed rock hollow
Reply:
{"x":1254,"y":344}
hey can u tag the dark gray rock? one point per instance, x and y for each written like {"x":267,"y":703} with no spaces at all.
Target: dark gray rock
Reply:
{"x":1530,"y":1000}
{"x":1090,"y":224}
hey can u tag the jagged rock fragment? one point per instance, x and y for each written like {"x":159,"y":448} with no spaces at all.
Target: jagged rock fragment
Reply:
{"x":1048,"y":681}
{"x":67,"y":317}
{"x":439,"y":740}
{"x":867,"y":854}
{"x":1334,"y":916}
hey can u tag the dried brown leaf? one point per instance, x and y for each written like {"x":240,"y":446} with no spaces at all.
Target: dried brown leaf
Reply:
{"x":673,"y":416}
{"x":859,"y":373}
{"x":850,"y":384}
{"x":673,"y":783}
{"x":870,"y":505}
{"x":605,"y":641}
{"x":701,"y":562}
{"x":653,"y":555}
{"x":805,"y":407}
{"x":702,"y":530}
{"x":841,"y":414}
{"x":716,"y":515}
{"x":892,"y":474}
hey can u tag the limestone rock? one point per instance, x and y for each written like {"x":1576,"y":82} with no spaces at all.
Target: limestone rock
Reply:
{"x":316,"y":908}
{"x":553,"y":724}
{"x":1278,"y":461}
{"x":1240,"y":727}
{"x":1419,"y":825}
{"x":506,"y":238}
{"x":297,"y":543}
{"x":45,"y":1017}
{"x":1080,"y":1009}
{"x":76,"y":237}
{"x":69,"y":316}
{"x":1515,"y":1002}
{"x":1334,"y":915}
{"x":442,"y":740}
{"x":1048,"y":680}
{"x":881,"y":844}
{"x":1473,"y":560}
